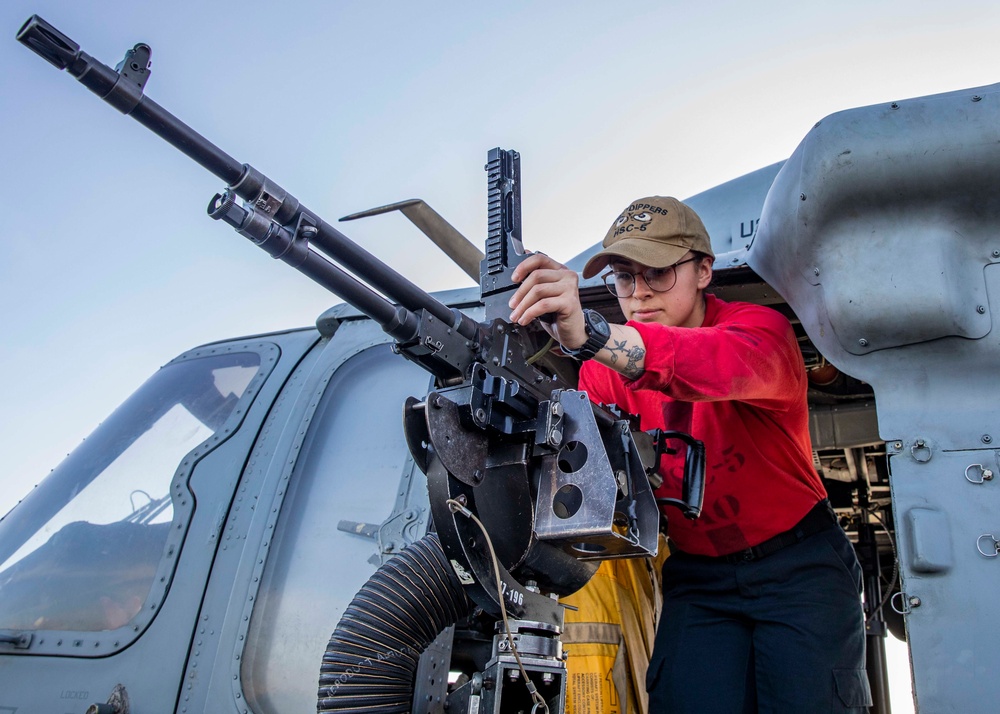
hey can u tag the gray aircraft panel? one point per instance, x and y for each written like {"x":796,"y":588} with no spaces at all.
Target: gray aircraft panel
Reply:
{"x":263,"y":643}
{"x":72,"y":680}
{"x":881,"y":232}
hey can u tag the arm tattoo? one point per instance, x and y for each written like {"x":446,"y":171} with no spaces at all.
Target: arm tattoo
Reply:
{"x":633,"y":356}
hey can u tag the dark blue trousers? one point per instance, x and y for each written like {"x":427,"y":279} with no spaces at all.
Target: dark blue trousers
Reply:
{"x":780,"y":635}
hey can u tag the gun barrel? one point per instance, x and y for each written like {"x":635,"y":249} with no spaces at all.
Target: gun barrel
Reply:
{"x":47,"y":41}
{"x":282,"y":244}
{"x":125,"y":94}
{"x":124,"y":91}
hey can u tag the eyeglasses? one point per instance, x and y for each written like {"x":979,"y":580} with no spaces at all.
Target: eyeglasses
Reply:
{"x":660,"y":280}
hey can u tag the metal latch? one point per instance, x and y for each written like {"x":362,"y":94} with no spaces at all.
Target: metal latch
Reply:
{"x":20,"y":640}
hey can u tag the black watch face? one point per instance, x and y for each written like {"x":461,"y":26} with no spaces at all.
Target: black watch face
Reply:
{"x":597,"y":325}
{"x":598,"y":334}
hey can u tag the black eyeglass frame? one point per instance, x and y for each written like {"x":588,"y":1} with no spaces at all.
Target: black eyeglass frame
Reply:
{"x":673,"y":268}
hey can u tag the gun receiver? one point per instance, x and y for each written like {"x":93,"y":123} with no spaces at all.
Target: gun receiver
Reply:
{"x":567,"y":482}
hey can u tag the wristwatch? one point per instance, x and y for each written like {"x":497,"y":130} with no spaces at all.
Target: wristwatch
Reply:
{"x":598,"y":335}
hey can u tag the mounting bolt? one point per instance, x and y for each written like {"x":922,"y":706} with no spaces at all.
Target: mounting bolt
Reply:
{"x":996,"y":254}
{"x":987,"y":439}
{"x":894,"y":105}
{"x":622,"y":478}
{"x":815,"y":271}
{"x":898,"y":445}
{"x":977,"y":98}
{"x":863,"y":342}
{"x":914,"y":601}
{"x":802,"y":197}
{"x":980,"y":309}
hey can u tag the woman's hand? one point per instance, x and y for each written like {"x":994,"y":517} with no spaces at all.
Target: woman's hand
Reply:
{"x":550,"y":291}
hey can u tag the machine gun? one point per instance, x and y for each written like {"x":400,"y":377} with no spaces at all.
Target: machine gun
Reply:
{"x":567,"y":482}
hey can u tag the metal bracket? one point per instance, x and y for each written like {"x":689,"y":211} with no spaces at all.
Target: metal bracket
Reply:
{"x":118,"y":703}
{"x":430,"y":689}
{"x":581,"y":506}
{"x":406,"y":523}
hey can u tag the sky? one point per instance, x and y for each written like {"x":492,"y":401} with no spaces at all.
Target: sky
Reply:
{"x":109,"y":266}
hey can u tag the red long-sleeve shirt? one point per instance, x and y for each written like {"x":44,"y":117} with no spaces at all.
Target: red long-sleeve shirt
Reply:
{"x":738,"y":384}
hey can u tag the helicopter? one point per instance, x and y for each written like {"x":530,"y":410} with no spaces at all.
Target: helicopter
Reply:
{"x":249,"y":431}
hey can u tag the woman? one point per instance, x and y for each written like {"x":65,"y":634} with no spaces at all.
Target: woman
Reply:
{"x":761,"y":595}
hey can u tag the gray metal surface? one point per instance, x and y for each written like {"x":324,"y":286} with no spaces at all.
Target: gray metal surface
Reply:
{"x":321,"y":461}
{"x":882,"y":231}
{"x":580,"y":506}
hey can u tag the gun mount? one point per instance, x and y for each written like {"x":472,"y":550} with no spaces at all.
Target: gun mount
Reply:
{"x":566,"y":482}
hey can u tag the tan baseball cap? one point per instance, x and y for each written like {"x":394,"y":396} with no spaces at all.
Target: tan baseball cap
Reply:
{"x":656,"y":231}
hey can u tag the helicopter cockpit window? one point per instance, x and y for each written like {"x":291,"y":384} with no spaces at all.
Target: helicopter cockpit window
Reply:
{"x":82,"y":550}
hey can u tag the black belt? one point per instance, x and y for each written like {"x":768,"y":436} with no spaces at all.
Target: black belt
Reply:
{"x":818,"y":519}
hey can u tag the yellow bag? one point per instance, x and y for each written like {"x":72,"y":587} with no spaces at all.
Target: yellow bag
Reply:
{"x":610,"y":637}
